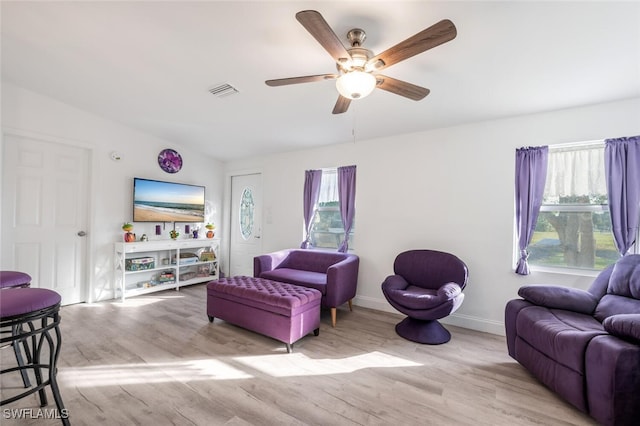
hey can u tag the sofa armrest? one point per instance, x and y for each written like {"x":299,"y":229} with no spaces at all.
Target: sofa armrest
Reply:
{"x":342,"y":281}
{"x":269,"y":261}
{"x":624,"y":326}
{"x":556,"y":297}
{"x":612,"y":377}
{"x":511,"y":312}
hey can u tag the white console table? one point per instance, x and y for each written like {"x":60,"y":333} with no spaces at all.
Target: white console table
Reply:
{"x":165,"y":264}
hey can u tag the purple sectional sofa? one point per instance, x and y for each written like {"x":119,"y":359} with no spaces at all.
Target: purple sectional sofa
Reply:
{"x":584,"y":345}
{"x":334,"y":274}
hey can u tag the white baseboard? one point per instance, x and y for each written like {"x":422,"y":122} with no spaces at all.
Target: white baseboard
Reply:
{"x":459,"y":320}
{"x":475,"y":323}
{"x":371,"y":303}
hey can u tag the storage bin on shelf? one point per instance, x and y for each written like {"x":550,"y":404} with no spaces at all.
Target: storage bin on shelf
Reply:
{"x":207,"y":256}
{"x":186,"y":258}
{"x":139,"y":263}
{"x":166,"y":277}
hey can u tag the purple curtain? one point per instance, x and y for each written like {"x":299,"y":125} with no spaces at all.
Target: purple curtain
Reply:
{"x":312,"y":180}
{"x":347,"y":199}
{"x":531,"y":173}
{"x":622,"y":169}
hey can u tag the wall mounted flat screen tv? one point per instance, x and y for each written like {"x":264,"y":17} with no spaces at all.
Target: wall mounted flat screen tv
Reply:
{"x":158,"y":201}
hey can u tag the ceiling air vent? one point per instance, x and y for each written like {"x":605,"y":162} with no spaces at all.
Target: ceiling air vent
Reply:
{"x":222,"y":90}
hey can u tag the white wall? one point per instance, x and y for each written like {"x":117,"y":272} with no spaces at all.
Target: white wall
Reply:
{"x":448,"y":189}
{"x":34,"y":115}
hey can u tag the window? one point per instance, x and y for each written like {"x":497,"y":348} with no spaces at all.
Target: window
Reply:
{"x":327,"y":229}
{"x":574,"y":226}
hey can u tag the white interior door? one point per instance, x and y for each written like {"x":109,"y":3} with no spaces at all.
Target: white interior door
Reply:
{"x":246,"y":223}
{"x":44,"y":214}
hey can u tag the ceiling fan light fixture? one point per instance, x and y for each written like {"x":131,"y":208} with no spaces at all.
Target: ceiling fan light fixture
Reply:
{"x":355,"y":84}
{"x":357,"y":66}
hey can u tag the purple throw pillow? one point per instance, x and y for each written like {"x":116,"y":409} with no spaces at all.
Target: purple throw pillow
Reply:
{"x":624,"y":326}
{"x":556,"y":297}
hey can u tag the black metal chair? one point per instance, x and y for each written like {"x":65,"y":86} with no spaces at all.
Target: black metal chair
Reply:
{"x":31,"y":316}
{"x":17,"y":279}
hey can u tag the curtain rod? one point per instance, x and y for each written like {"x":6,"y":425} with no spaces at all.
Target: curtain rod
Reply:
{"x":577,"y":144}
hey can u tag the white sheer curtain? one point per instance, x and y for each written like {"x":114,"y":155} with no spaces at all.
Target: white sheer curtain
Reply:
{"x":575,"y":171}
{"x":329,"y":187}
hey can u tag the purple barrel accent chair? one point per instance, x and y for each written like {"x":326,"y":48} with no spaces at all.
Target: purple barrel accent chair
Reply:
{"x":426,"y":286}
{"x":584,"y":344}
{"x":334,"y":274}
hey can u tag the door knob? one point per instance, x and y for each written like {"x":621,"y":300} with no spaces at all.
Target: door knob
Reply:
{"x":81,"y":233}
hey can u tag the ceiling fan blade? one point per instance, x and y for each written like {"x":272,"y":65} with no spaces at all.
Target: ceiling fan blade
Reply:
{"x":297,"y":80}
{"x":426,"y":39}
{"x":401,"y":88}
{"x":322,"y":32}
{"x":342,"y":105}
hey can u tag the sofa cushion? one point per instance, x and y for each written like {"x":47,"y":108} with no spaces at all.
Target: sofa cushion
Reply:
{"x":310,"y":279}
{"x":559,"y":334}
{"x":623,"y":291}
{"x":624,"y":326}
{"x":625,"y":277}
{"x":414,"y":297}
{"x":311,"y":260}
{"x":611,"y":304}
{"x":571,"y":299}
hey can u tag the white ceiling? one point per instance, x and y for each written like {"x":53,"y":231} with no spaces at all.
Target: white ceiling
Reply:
{"x":150,"y":65}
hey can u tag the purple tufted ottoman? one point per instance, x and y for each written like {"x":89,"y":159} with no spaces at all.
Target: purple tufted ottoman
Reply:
{"x":285,"y":312}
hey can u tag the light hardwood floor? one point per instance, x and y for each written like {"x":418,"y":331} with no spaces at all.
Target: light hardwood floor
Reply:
{"x":156,"y":360}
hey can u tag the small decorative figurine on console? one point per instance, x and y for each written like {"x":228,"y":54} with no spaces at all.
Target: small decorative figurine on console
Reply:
{"x":129,"y":236}
{"x":210,"y":227}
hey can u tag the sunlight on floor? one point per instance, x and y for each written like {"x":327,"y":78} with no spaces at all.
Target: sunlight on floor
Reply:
{"x":142,"y":301}
{"x":128,"y":374}
{"x":283,"y":365}
{"x":128,"y":303}
{"x":298,"y":364}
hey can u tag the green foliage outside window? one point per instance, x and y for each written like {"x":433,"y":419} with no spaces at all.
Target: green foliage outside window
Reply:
{"x":575,"y":239}
{"x":327,"y":230}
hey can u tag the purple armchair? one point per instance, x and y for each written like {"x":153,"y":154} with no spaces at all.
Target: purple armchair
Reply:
{"x":334,"y":274}
{"x":584,"y":345}
{"x":427,"y":286}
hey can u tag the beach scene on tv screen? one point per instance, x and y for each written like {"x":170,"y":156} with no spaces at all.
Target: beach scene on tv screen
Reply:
{"x":156,"y":201}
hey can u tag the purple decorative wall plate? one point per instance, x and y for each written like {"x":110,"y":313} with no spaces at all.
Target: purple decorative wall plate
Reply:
{"x":170,"y":161}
